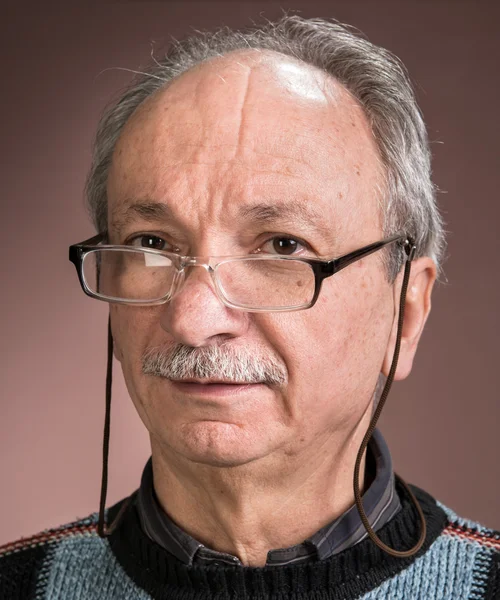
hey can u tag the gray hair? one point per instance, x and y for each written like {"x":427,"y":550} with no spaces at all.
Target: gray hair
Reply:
{"x":374,"y":76}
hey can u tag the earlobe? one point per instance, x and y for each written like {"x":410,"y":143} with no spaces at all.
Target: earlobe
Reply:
{"x":417,"y":309}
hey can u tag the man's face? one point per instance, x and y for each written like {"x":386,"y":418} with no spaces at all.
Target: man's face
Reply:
{"x":244,"y":130}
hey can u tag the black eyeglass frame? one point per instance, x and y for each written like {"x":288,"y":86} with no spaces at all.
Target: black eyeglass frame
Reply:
{"x":322,"y":268}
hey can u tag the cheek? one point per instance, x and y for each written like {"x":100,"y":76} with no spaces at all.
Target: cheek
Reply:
{"x":132,"y":328}
{"x":335,"y":350}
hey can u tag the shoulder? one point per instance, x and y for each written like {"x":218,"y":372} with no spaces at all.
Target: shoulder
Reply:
{"x":465,"y":557}
{"x":79,"y":528}
{"x":69,"y":561}
{"x":26,"y":564}
{"x":457,"y":530}
{"x":454,"y":527}
{"x":470,"y":532}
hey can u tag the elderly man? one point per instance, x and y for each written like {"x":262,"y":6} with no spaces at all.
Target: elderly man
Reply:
{"x":268,"y":241}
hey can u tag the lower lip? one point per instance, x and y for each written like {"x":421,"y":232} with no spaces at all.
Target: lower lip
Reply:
{"x":214,"y":389}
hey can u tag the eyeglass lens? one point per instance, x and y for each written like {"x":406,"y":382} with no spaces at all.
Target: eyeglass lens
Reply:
{"x":146,"y":277}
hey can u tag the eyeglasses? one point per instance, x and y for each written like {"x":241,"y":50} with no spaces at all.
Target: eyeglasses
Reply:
{"x":255,"y":283}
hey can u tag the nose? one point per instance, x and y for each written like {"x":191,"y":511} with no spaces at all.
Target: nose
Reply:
{"x":195,"y":315}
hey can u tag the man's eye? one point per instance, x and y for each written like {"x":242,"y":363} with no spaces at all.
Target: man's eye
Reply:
{"x":282,"y":245}
{"x":149,"y":241}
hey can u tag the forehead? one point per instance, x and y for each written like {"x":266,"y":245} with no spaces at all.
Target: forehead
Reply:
{"x":246,"y":126}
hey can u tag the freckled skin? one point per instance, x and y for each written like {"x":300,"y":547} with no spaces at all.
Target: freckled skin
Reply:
{"x":234,"y":131}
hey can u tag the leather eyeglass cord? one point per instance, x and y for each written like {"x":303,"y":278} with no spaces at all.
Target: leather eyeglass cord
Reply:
{"x":410,"y":249}
{"x":102,"y":529}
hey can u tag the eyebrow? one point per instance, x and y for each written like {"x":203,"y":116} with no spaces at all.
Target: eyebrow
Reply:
{"x":260,"y":214}
{"x":147,"y":210}
{"x":306,"y":214}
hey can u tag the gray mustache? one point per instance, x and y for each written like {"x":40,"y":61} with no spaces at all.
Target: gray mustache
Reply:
{"x":213,"y":362}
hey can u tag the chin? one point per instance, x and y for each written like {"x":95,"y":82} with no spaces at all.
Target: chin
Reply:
{"x":220,"y":444}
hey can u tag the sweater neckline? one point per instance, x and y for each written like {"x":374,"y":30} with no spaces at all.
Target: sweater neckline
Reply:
{"x":346,"y":575}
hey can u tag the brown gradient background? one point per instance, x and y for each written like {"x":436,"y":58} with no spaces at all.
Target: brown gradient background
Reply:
{"x":441,"y":424}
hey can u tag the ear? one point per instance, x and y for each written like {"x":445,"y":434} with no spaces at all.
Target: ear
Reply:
{"x":417,"y":309}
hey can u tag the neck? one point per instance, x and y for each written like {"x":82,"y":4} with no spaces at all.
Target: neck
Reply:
{"x":275,"y":502}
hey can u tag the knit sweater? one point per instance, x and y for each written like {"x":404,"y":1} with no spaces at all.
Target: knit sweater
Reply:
{"x":459,"y":560}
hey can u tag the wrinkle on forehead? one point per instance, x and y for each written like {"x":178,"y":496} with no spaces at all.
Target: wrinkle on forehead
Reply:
{"x":242,"y":76}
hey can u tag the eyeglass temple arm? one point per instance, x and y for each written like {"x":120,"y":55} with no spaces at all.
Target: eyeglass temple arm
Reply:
{"x":344,"y":261}
{"x":76,"y":252}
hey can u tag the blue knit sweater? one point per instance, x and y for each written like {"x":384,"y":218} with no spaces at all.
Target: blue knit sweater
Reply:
{"x":460,"y":560}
